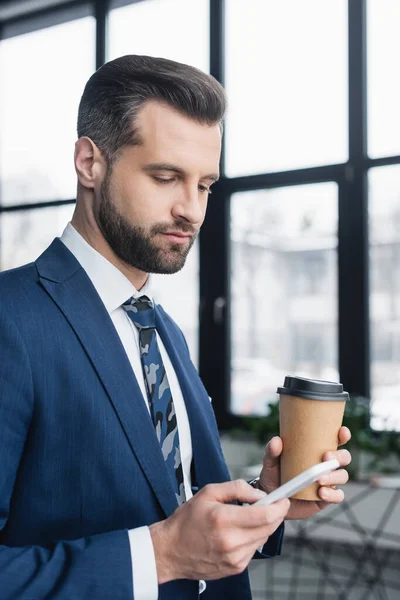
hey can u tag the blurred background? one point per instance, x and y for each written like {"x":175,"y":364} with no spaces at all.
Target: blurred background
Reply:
{"x":297,"y":267}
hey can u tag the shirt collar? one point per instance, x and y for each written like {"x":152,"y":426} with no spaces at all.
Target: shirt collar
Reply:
{"x":111,"y":284}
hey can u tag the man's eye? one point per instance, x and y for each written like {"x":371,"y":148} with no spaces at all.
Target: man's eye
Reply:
{"x":163,"y":179}
{"x":204,"y":188}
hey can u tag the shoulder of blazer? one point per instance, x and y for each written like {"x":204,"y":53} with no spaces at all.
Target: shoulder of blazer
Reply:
{"x":57,"y":263}
{"x":16,"y":286}
{"x":20,"y":285}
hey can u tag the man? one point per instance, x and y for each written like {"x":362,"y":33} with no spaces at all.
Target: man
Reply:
{"x":105,"y":426}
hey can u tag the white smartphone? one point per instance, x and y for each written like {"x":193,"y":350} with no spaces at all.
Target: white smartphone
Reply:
{"x":300,"y":481}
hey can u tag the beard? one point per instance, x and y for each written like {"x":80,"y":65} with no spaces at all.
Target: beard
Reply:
{"x":135,"y":245}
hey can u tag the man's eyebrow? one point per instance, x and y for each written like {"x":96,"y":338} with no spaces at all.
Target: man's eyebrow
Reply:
{"x":212,"y":177}
{"x":167,"y":167}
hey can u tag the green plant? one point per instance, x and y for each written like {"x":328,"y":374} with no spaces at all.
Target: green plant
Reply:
{"x":376,"y":445}
{"x":265,"y":427}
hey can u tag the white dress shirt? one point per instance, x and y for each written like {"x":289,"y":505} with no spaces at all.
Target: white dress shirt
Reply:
{"x":114,"y":289}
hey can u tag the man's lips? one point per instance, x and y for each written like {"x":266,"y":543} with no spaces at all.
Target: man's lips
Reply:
{"x":178,"y":237}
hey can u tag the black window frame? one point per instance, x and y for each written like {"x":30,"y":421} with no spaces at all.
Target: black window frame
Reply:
{"x":351,"y":178}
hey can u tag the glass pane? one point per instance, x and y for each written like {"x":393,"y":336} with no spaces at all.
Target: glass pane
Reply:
{"x":42,"y":76}
{"x":383,"y":83}
{"x":284,"y":290}
{"x":175,"y":29}
{"x":179,"y":296}
{"x":25,"y":234}
{"x":384,"y":216}
{"x":286,"y":79}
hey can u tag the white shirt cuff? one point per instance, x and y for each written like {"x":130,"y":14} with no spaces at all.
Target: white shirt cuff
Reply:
{"x":144,"y":568}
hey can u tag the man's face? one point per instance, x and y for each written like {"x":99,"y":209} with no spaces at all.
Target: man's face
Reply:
{"x":154,"y":200}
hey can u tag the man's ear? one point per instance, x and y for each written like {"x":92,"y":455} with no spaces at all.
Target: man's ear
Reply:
{"x":90,"y":165}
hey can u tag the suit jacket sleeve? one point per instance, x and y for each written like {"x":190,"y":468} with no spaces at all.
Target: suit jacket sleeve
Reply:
{"x":98,"y":566}
{"x":273,"y":547}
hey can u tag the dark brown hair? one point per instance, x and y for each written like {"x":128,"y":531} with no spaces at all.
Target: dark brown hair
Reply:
{"x":116,"y":92}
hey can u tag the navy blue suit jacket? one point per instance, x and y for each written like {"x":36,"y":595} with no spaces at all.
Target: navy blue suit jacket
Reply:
{"x":79,"y":459}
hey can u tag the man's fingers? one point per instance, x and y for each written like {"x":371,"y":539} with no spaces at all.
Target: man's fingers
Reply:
{"x":259,"y":536}
{"x":257,"y":516}
{"x":338,"y":477}
{"x":273,"y":450}
{"x":330,"y":495}
{"x":248,"y":517}
{"x":344,"y":435}
{"x":231,"y":491}
{"x":343,"y":456}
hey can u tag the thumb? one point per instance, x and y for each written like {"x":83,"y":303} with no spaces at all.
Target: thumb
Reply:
{"x":273,"y":451}
{"x":232,"y":490}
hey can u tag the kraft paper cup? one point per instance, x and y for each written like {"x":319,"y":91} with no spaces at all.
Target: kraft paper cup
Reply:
{"x":310,"y":415}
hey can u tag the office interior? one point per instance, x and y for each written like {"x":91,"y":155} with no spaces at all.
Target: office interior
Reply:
{"x":297,"y":267}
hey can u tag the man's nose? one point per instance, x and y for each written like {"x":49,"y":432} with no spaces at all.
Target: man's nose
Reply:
{"x":191,"y":205}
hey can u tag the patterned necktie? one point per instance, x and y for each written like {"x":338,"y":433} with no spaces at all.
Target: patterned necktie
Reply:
{"x":142,"y":314}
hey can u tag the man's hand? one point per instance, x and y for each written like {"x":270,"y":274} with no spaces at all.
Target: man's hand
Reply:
{"x":208,"y":539}
{"x":302,"y":509}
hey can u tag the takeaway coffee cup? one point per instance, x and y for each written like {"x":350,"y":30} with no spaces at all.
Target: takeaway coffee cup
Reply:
{"x":310,"y":415}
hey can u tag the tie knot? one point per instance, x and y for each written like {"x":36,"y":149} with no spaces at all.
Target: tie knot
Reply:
{"x":141,"y":312}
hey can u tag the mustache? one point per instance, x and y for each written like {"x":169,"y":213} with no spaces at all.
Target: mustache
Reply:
{"x":186,"y":228}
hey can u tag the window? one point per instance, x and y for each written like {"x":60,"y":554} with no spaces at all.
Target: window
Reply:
{"x":25,"y":234}
{"x":175,"y":29}
{"x":383,"y":83}
{"x":42,"y":75}
{"x":384,"y":218}
{"x":286,"y":79}
{"x":284,"y":292}
{"x":285,"y":66}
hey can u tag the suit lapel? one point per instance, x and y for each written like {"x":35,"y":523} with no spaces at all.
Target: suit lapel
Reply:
{"x":71,"y":289}
{"x":207,"y":454}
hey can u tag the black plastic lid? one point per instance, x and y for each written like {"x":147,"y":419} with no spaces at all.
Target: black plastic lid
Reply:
{"x":313,"y":389}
